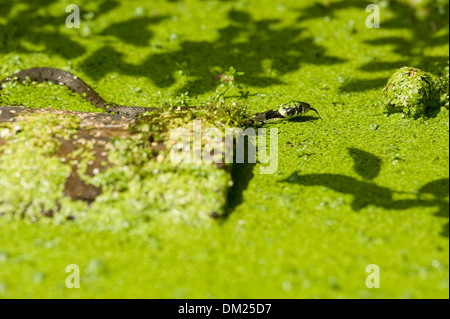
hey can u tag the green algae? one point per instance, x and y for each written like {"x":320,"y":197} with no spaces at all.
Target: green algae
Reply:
{"x":140,"y":185}
{"x":145,"y":184}
{"x":43,"y":95}
{"x":32,"y":176}
{"x":279,"y":239}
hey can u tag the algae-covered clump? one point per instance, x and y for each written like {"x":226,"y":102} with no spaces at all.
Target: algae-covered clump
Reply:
{"x":58,"y":165}
{"x":443,"y":86}
{"x":413,"y":92}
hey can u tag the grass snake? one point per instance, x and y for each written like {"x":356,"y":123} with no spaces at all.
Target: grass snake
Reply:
{"x":77,"y":85}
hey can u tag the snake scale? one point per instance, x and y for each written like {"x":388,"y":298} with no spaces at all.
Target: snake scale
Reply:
{"x":77,"y":85}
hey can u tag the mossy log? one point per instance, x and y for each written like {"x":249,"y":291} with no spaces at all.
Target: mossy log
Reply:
{"x":110,"y":170}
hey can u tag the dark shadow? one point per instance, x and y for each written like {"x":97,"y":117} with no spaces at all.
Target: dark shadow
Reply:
{"x":322,"y":9}
{"x":388,"y":65}
{"x":245,"y":43}
{"x":134,"y":31}
{"x":445,"y":229}
{"x":241,"y":175}
{"x":424,"y":21}
{"x":359,"y":85}
{"x":33,"y":24}
{"x":364,"y":193}
{"x":438,"y":188}
{"x":365,"y":165}
{"x":243,"y":95}
{"x":367,"y":193}
{"x":304,"y":118}
{"x":104,"y":61}
{"x":107,"y":6}
{"x":248,"y":44}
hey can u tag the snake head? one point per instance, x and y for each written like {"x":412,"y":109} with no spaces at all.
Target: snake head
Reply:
{"x":295,"y":108}
{"x":301,"y":107}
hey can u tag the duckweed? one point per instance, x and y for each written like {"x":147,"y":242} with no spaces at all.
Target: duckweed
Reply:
{"x":413,"y":92}
{"x":353,"y":189}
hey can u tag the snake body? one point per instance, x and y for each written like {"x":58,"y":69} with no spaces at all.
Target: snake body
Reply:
{"x":77,"y":85}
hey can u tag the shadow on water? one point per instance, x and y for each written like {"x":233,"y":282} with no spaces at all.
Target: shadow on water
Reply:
{"x":365,"y":165}
{"x":29,"y":21}
{"x":122,"y":30}
{"x":32,"y":23}
{"x":367,"y":193}
{"x":265,"y":49}
{"x":423,"y":20}
{"x":358,"y":85}
{"x":241,"y":175}
{"x":248,"y":44}
{"x":304,"y":118}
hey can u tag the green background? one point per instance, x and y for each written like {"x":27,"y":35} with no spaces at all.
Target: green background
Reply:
{"x":353,"y":189}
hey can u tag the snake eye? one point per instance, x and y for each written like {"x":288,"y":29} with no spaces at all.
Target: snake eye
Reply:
{"x":297,"y":104}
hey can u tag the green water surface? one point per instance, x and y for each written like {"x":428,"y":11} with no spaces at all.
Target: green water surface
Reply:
{"x":353,"y":189}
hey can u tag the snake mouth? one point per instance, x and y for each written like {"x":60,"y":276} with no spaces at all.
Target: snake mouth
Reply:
{"x":312,"y":109}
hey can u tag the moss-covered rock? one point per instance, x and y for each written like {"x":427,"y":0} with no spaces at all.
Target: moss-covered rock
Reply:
{"x":412,"y":92}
